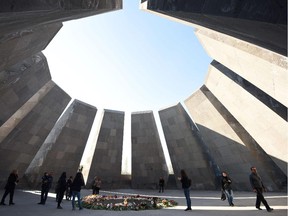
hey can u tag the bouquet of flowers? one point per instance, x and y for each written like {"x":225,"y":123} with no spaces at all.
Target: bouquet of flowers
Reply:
{"x":122,"y":203}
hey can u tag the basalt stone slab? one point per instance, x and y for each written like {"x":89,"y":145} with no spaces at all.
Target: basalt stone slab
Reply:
{"x":107,"y":159}
{"x":148,"y":161}
{"x":17,"y":16}
{"x":21,"y":44}
{"x":186,"y":148}
{"x":63,"y":148}
{"x":20,"y":82}
{"x":261,"y":22}
{"x":18,"y":149}
{"x":266,"y":99}
{"x":233,"y":149}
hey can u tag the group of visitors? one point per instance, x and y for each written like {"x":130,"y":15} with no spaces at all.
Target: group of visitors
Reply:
{"x":255,"y":181}
{"x":72,"y":187}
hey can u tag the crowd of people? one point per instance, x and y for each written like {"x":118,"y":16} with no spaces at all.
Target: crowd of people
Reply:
{"x":72,"y":188}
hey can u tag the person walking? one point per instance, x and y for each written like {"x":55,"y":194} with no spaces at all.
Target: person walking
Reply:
{"x":77,"y":183}
{"x":10,"y":187}
{"x":226,"y":187}
{"x":258,"y":187}
{"x":61,"y":187}
{"x":186,"y":184}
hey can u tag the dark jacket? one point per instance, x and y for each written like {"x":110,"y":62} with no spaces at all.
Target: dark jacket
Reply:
{"x":78,"y":182}
{"x":12,"y":181}
{"x":45,"y":182}
{"x":255,"y":181}
{"x":161,"y":182}
{"x":186,"y":182}
{"x":61,"y":184}
{"x":226,"y":183}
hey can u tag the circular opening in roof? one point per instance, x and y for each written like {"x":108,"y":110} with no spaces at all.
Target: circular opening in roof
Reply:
{"x":127,"y":60}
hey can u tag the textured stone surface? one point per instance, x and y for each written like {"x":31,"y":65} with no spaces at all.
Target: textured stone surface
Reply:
{"x":270,"y":102}
{"x":24,"y":110}
{"x":263,"y":23}
{"x":107,"y":158}
{"x":267,"y":128}
{"x":186,"y":148}
{"x":230,"y":145}
{"x":18,"y":149}
{"x":63,"y":148}
{"x":266,"y":70}
{"x":148,"y":161}
{"x":17,"y":16}
{"x":19,"y":45}
{"x":20,"y":82}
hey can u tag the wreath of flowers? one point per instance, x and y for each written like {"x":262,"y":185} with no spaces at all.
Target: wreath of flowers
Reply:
{"x":122,"y":203}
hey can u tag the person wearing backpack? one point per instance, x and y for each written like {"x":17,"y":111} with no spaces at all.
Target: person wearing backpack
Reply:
{"x":186,"y":184}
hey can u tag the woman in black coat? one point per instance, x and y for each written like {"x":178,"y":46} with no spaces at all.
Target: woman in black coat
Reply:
{"x":10,"y":187}
{"x":61,"y":187}
{"x":78,"y":182}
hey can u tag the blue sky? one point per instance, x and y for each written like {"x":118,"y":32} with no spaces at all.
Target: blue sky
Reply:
{"x":127,"y":60}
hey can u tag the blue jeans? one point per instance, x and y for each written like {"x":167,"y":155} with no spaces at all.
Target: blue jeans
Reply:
{"x":229,"y":195}
{"x":76,"y":193}
{"x":187,"y":196}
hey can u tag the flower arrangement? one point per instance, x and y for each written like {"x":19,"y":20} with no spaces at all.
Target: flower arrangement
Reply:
{"x":123,"y":203}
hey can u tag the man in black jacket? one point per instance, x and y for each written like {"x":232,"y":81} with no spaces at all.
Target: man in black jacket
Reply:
{"x":258,"y":187}
{"x":10,"y":187}
{"x":45,"y":187}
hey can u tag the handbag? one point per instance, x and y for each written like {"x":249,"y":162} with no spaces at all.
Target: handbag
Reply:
{"x":223,"y":195}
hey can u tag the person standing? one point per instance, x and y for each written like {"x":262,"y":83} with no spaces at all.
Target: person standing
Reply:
{"x":258,"y":187}
{"x":45,"y":187}
{"x":96,"y":185}
{"x":226,"y":187}
{"x":186,"y":183}
{"x":61,"y":187}
{"x":77,"y":183}
{"x":68,"y":188}
{"x":10,"y":187}
{"x":161,"y":185}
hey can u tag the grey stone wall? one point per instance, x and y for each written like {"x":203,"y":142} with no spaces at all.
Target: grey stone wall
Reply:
{"x":107,"y":158}
{"x":63,"y":149}
{"x":148,"y":161}
{"x":21,"y":15}
{"x":186,"y":148}
{"x":18,"y":46}
{"x":262,"y":23}
{"x":232,"y":148}
{"x":18,"y":149}
{"x":20,"y":82}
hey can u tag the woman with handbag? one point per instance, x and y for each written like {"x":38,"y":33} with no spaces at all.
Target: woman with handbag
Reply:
{"x":226,"y":188}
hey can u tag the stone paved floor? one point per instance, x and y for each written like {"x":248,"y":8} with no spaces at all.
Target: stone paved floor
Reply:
{"x":204,"y":203}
